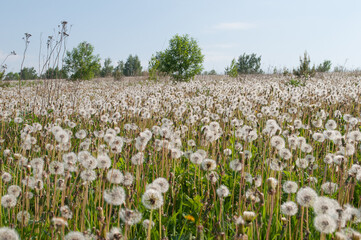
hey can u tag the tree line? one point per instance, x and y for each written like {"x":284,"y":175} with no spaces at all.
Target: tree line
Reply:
{"x":77,"y":69}
{"x":182,"y":60}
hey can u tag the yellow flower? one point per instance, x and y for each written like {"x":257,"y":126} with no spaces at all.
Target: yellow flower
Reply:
{"x":189,"y":217}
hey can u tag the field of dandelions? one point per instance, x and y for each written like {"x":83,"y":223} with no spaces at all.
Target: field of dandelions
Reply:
{"x":209,"y":159}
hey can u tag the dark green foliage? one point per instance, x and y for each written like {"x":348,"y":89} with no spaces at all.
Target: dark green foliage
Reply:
{"x":118,"y":71}
{"x":182,"y":60}
{"x":286,"y":72}
{"x":81,"y":62}
{"x":232,"y":70}
{"x":28,"y":73}
{"x":55,"y":73}
{"x":107,"y":69}
{"x":2,"y":74}
{"x":295,"y":82}
{"x":249,"y":64}
{"x":132,"y":66}
{"x":324,"y":67}
{"x":12,"y":76}
{"x":212,"y":72}
{"x":305,"y":70}
{"x":153,"y":67}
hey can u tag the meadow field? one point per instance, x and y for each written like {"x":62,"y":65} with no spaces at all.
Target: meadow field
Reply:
{"x":214,"y":158}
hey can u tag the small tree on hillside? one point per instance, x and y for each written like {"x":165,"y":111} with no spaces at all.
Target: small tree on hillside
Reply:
{"x":55,"y":73}
{"x":2,"y":72}
{"x":107,"y":69}
{"x":12,"y":76}
{"x":132,"y":66}
{"x":182,"y":59}
{"x":324,"y":67}
{"x":81,"y":62}
{"x":28,"y":73}
{"x":232,"y":70}
{"x":249,"y":64}
{"x":305,"y":70}
{"x":118,"y":71}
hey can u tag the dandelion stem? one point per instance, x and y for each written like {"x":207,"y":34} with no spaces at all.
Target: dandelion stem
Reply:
{"x":150,"y":224}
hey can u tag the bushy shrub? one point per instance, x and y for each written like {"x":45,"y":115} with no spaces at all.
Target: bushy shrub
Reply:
{"x":182,"y":60}
{"x":232,"y":70}
{"x":82,"y":63}
{"x":132,"y":66}
{"x":249,"y":64}
{"x":305,"y":70}
{"x":28,"y":73}
{"x":324,"y":67}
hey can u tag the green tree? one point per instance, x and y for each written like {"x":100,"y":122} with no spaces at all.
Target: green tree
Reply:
{"x":182,"y":60}
{"x":153,"y":67}
{"x":12,"y":76}
{"x":82,"y":63}
{"x":212,"y":72}
{"x":118,"y":71}
{"x":107,"y":68}
{"x":305,"y":70}
{"x":132,"y":66}
{"x":249,"y":64}
{"x":28,"y":73}
{"x":2,"y":72}
{"x":55,"y":73}
{"x":324,"y":67}
{"x":232,"y":70}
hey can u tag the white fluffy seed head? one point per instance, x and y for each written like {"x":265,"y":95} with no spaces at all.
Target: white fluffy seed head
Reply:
{"x":290,"y":187}
{"x":8,"y":234}
{"x":152,"y":199}
{"x":324,"y":223}
{"x":306,"y":196}
{"x":289,"y":208}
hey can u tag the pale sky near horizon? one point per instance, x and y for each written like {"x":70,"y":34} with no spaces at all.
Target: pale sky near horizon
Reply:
{"x":278,"y":30}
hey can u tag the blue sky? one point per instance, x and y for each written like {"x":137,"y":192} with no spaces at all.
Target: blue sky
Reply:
{"x":278,"y":30}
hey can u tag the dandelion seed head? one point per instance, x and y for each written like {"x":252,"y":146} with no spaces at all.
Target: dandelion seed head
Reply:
{"x":290,"y":187}
{"x":8,"y":201}
{"x":163,"y":184}
{"x":114,"y":234}
{"x":146,"y":223}
{"x":88,"y":175}
{"x":115,"y":196}
{"x":325,"y":205}
{"x":152,"y":199}
{"x":277,"y":142}
{"x":325,"y":224}
{"x":196,"y":158}
{"x":249,"y":216}
{"x":23,"y":217}
{"x":6,"y":177}
{"x":59,"y":221}
{"x":8,"y":234}
{"x":103,"y":161}
{"x":56,"y":168}
{"x":66,"y":212}
{"x":138,"y":158}
{"x":209,"y":164}
{"x":329,"y":187}
{"x":14,"y":190}
{"x":222,"y":191}
{"x":130,"y":217}
{"x":74,"y":236}
{"x":115,"y":176}
{"x":306,"y":196}
{"x":289,"y":208}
